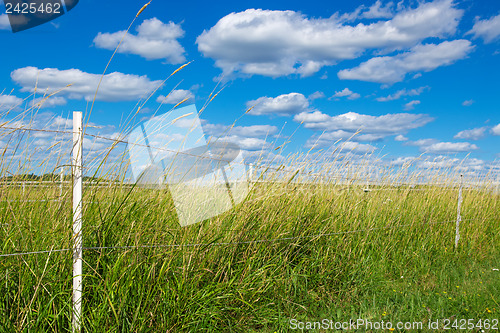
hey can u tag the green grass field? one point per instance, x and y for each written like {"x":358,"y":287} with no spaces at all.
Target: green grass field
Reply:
{"x":303,"y":252}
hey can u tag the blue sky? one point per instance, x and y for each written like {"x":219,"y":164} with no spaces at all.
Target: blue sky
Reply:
{"x":413,"y":77}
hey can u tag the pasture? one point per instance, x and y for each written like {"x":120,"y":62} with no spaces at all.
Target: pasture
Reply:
{"x":290,"y":250}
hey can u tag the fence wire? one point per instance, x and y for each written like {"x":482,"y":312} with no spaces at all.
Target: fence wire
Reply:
{"x":269,"y":240}
{"x":29,"y":129}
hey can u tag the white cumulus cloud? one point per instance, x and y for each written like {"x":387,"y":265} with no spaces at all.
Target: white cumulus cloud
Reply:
{"x":423,"y":57}
{"x":10,"y":101}
{"x":444,"y":162}
{"x":346,"y":93}
{"x":389,"y":124}
{"x":114,"y":86}
{"x":346,"y":143}
{"x":176,"y":96}
{"x":250,"y":138}
{"x":354,"y":127}
{"x":251,"y":144}
{"x":279,"y":43}
{"x":450,"y":147}
{"x":326,"y":139}
{"x":361,"y":148}
{"x":253,"y":131}
{"x":496,"y":130}
{"x":488,"y":29}
{"x":421,"y":142}
{"x":377,"y":10}
{"x":48,"y":102}
{"x":400,"y":161}
{"x":436,"y":147}
{"x":400,"y":137}
{"x":154,"y":40}
{"x":472,"y":134}
{"x":283,"y":105}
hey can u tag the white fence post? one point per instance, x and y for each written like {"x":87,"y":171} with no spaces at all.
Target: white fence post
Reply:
{"x":77,"y":220}
{"x":459,"y":218}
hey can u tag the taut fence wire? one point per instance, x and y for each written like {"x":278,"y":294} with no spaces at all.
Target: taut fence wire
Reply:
{"x":268,"y":240}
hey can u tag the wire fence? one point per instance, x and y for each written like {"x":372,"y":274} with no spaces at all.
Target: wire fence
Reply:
{"x":272,"y":240}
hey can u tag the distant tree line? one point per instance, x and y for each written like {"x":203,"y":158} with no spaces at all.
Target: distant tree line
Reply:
{"x":46,"y":177}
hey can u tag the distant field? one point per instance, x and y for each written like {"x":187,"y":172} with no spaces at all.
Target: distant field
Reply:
{"x":305,"y":252}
